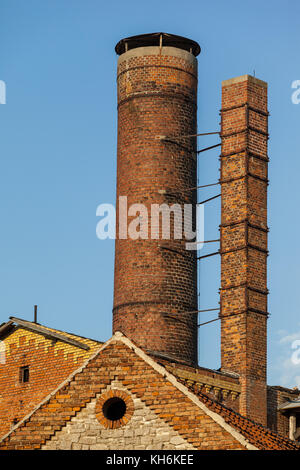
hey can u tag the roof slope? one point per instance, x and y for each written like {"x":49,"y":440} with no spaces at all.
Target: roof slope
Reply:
{"x":199,"y":420}
{"x":258,"y":435}
{"x":57,"y":335}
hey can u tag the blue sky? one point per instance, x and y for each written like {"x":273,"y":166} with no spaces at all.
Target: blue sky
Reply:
{"x":58,"y":153}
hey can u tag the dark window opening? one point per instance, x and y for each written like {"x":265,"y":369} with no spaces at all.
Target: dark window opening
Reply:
{"x":114,"y":409}
{"x":24,"y":374}
{"x":15,"y":421}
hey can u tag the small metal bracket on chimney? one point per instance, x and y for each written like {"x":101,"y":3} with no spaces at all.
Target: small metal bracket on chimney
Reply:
{"x":235,"y":314}
{"x":193,"y":188}
{"x":209,"y":241}
{"x":209,"y":199}
{"x":195,"y":311}
{"x":163,"y":247}
{"x":210,"y":254}
{"x":208,"y":148}
{"x":175,"y":137}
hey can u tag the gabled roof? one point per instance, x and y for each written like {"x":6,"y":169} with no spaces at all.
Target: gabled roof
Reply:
{"x":120,"y":355}
{"x":45,"y":331}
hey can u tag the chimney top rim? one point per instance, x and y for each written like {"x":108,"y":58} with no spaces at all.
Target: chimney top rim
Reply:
{"x":153,"y":39}
{"x":244,"y":78}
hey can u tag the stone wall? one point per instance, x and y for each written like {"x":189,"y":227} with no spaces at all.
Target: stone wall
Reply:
{"x":145,"y":430}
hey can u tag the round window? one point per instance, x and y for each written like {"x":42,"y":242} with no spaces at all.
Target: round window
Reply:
{"x":114,"y":408}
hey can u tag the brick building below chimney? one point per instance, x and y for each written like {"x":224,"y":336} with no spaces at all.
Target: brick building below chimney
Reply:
{"x":143,"y":389}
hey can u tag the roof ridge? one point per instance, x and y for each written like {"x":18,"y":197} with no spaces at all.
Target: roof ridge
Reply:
{"x":40,"y":329}
{"x":56,"y":329}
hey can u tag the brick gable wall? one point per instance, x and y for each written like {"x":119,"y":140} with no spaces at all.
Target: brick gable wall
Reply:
{"x":49,"y":364}
{"x":144,"y":431}
{"x":118,"y":362}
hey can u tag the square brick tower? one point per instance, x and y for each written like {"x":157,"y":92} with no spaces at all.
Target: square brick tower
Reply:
{"x":244,"y":181}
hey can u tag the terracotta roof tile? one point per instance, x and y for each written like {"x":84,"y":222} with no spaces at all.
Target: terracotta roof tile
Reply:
{"x":258,"y":435}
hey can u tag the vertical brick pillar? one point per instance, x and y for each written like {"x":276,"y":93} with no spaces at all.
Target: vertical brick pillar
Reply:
{"x":244,"y":173}
{"x":155,"y":289}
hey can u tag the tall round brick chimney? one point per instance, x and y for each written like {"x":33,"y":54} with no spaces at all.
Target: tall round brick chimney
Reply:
{"x":155,"y":288}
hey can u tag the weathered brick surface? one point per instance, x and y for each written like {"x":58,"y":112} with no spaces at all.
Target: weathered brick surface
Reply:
{"x":243,"y":230}
{"x":119,"y":362}
{"x":190,"y":418}
{"x":278,"y":421}
{"x":144,"y":431}
{"x":156,"y":96}
{"x":49,"y":364}
{"x":216,"y":385}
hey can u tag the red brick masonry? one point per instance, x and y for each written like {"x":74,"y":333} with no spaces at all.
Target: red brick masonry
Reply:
{"x":205,"y":424}
{"x":157,"y":92}
{"x":244,"y":173}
